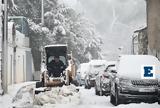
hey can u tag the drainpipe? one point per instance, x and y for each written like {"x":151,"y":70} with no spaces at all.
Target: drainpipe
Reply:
{"x":1,"y":90}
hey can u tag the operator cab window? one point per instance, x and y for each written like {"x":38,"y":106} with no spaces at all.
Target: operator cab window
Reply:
{"x":62,"y":58}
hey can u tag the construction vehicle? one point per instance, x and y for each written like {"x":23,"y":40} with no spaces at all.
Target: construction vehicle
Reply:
{"x":68,"y":71}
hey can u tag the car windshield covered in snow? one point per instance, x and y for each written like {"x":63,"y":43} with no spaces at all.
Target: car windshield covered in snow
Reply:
{"x":83,"y":69}
{"x":130,"y":65}
{"x":97,"y":66}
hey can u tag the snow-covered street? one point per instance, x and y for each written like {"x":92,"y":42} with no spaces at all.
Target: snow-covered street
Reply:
{"x":67,"y":97}
{"x":88,"y":99}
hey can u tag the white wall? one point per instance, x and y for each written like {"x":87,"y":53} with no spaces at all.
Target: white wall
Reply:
{"x":21,"y":71}
{"x":10,"y":58}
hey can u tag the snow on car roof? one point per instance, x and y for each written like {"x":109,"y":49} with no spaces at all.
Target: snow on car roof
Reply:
{"x":130,"y":65}
{"x":111,"y":63}
{"x":84,"y":68}
{"x":55,"y":45}
{"x":98,"y":62}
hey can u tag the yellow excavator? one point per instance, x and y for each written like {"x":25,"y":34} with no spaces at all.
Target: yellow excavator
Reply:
{"x":49,"y":76}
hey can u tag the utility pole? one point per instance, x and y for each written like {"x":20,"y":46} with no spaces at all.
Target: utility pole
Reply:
{"x":42,"y":12}
{"x":4,"y":47}
{"x":1,"y":90}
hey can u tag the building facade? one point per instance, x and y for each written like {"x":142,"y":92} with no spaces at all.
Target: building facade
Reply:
{"x":140,"y":42}
{"x":153,"y":27}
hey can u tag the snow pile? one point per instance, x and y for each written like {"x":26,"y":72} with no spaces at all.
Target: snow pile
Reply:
{"x":24,"y":97}
{"x":58,"y":95}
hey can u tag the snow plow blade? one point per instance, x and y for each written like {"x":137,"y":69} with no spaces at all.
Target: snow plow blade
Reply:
{"x":41,"y":89}
{"x":54,"y":83}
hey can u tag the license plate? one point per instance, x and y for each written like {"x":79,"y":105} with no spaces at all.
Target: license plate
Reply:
{"x":146,"y":90}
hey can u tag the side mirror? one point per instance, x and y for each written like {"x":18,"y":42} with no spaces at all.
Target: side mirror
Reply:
{"x":113,"y":71}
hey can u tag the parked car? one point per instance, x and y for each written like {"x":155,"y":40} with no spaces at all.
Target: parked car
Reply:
{"x":77,"y":80}
{"x":102,"y":82}
{"x":95,"y":66}
{"x":128,"y":85}
{"x":82,"y":70}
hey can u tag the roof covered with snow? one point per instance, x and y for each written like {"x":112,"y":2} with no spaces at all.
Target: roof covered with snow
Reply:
{"x":98,"y":62}
{"x":111,"y":63}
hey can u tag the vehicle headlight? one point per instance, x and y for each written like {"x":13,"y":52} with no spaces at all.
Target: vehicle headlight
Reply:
{"x":125,"y":82}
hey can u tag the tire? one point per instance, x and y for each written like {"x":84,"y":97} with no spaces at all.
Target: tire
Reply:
{"x":100,"y":92}
{"x":70,"y":80}
{"x":116,"y":96}
{"x":112,"y":98}
{"x":39,"y":84}
{"x":89,"y":87}
{"x":96,"y":91}
{"x":115,"y":99}
{"x":85,"y":86}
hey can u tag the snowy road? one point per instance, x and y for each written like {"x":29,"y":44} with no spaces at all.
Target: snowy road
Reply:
{"x":90,"y":100}
{"x":86,"y":98}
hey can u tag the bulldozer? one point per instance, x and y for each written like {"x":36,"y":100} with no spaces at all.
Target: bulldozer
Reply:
{"x":48,"y":77}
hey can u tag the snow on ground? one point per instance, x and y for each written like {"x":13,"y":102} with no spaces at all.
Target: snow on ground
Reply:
{"x":58,"y":95}
{"x":24,"y":98}
{"x":63,"y":97}
{"x":6,"y":100}
{"x":90,"y":100}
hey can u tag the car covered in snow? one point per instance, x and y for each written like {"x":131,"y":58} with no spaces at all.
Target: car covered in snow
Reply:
{"x":102,"y":82}
{"x":95,"y":67}
{"x":129,"y":85}
{"x":82,"y":70}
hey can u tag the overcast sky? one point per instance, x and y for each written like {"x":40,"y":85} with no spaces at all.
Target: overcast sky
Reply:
{"x":115,"y":20}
